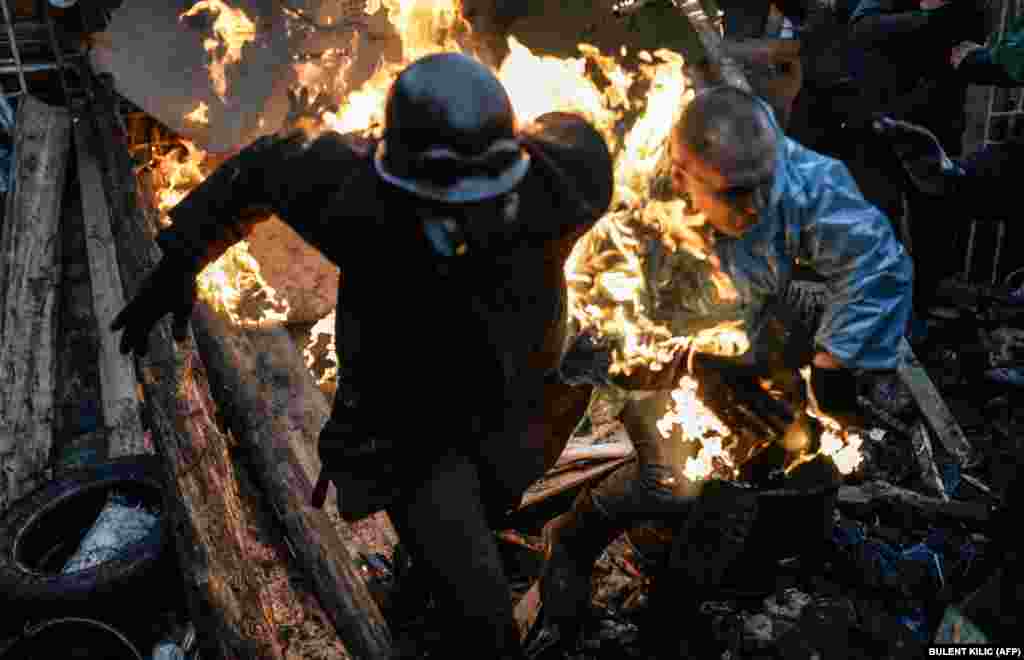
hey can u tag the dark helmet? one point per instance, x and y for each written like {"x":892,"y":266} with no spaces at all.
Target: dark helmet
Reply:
{"x":450,"y":132}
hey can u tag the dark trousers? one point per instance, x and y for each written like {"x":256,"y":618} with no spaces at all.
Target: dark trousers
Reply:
{"x":652,"y":487}
{"x":451,"y":502}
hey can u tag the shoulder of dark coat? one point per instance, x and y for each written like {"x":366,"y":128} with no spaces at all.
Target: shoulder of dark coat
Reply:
{"x":571,"y":148}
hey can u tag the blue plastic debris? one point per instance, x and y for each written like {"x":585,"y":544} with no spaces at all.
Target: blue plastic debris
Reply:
{"x":88,"y":416}
{"x":921,"y":552}
{"x":916,"y":622}
{"x":950,"y":473}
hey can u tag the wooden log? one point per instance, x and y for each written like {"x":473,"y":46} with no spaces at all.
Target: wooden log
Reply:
{"x":931,"y":404}
{"x":270,"y":403}
{"x":118,"y":382}
{"x":29,"y":277}
{"x":210,"y":534}
{"x":882,"y":497}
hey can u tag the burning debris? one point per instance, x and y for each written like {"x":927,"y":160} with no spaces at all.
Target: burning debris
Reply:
{"x":232,"y":30}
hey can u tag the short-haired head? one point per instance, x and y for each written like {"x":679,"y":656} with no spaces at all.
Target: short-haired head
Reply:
{"x":728,"y":129}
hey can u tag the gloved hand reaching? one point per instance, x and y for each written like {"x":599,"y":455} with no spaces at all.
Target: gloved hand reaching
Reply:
{"x":169,"y":289}
{"x":920,"y":153}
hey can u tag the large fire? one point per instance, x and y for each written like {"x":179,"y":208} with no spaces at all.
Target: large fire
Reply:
{"x":632,"y":99}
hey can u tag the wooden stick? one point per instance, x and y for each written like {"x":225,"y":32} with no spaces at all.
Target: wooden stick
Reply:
{"x":118,"y":382}
{"x":270,"y":403}
{"x":29,"y":276}
{"x":930,"y":476}
{"x":933,"y":407}
{"x":210,"y":534}
{"x":879,"y":496}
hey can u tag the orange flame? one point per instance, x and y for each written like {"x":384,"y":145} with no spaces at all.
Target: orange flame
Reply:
{"x":201,"y":115}
{"x":233,"y":30}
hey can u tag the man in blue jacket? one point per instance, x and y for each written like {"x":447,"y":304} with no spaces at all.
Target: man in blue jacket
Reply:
{"x":771,"y":203}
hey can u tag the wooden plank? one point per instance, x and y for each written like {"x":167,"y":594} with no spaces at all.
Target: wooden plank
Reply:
{"x":211,"y":534}
{"x":30,"y":272}
{"x":883,"y":497}
{"x":933,"y":407}
{"x":276,"y":411}
{"x":118,"y":381}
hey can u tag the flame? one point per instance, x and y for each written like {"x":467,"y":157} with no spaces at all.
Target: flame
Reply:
{"x":233,"y":282}
{"x":634,"y":107}
{"x":698,"y":423}
{"x":233,"y":30}
{"x":543,"y":84}
{"x":324,"y":327}
{"x":201,"y":115}
{"x":840,"y":444}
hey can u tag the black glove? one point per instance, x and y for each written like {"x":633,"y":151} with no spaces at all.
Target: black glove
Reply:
{"x":921,"y":155}
{"x":362,"y":465}
{"x":169,"y":289}
{"x":835,"y":391}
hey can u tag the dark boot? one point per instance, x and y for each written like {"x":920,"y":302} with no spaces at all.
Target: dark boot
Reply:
{"x":574,"y":541}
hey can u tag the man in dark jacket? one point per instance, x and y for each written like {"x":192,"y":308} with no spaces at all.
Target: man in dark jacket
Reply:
{"x":452,"y":232}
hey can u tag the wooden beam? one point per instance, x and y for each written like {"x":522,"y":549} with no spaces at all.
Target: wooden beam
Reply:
{"x":211,"y":535}
{"x":276,"y":411}
{"x":882,"y":497}
{"x":118,"y":382}
{"x":30,"y":273}
{"x":933,"y":407}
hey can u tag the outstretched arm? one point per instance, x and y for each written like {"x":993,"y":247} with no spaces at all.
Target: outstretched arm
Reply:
{"x":869,"y":274}
{"x":291,"y":176}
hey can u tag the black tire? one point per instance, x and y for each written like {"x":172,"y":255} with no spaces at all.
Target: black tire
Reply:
{"x":41,"y":530}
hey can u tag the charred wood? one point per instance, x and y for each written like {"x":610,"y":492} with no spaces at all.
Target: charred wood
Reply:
{"x":232,"y":616}
{"x":886,"y":499}
{"x":270,"y":403}
{"x":933,"y":407}
{"x":30,"y":273}
{"x":118,"y":381}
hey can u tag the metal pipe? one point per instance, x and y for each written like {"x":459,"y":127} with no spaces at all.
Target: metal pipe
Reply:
{"x":1000,"y":235}
{"x":6,"y":68}
{"x":14,"y":47}
{"x":969,"y":256}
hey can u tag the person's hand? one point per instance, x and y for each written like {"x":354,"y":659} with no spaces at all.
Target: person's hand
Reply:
{"x":961,"y":51}
{"x":169,"y":289}
{"x":923,"y":158}
{"x":306,"y":110}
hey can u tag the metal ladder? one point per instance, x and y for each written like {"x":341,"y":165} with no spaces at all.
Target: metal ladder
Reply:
{"x":1011,"y":117}
{"x":38,"y":30}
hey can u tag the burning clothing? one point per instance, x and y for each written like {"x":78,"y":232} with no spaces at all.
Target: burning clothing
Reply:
{"x":815,"y":216}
